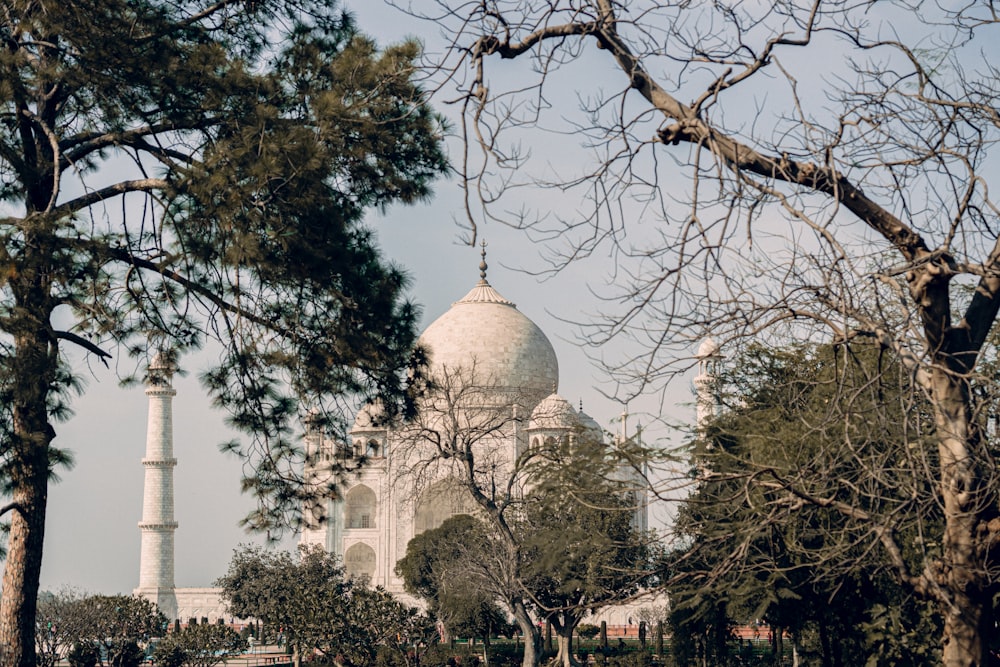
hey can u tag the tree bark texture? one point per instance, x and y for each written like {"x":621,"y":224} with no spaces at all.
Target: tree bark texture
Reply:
{"x":960,"y":583}
{"x":564,"y":644}
{"x":34,"y":365}
{"x":531,"y":633}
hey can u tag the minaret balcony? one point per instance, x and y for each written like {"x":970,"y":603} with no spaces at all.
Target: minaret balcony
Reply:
{"x":158,"y":525}
{"x":160,"y":463}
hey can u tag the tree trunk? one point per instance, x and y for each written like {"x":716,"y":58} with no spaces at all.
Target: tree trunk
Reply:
{"x":564,"y":641}
{"x":22,"y":572}
{"x":32,"y":369}
{"x":965,"y":504}
{"x":532,"y":635}
{"x":720,"y":634}
{"x":824,"y":641}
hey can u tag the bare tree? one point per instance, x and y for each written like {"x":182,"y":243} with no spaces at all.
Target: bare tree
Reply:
{"x":836,"y":158}
{"x":559,"y":540}
{"x":464,"y":435}
{"x":63,"y":619}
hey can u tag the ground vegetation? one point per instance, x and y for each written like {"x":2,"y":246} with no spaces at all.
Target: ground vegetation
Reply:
{"x":322,"y":613}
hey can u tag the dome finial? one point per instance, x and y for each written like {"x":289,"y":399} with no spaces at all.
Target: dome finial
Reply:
{"x":483,"y":265}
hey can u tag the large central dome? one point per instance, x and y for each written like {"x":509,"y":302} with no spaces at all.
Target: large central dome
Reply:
{"x":486,"y":332}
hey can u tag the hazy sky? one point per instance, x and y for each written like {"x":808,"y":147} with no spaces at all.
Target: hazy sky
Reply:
{"x":92,"y":537}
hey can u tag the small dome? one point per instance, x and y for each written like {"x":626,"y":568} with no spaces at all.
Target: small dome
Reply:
{"x":554,"y":413}
{"x":590,"y":426}
{"x":370,"y":418}
{"x":708,"y":348}
{"x":163,"y":362}
{"x":486,"y":336}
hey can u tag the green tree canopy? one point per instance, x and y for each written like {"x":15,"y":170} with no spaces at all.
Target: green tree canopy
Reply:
{"x":119,"y":624}
{"x":321,"y":611}
{"x":583,"y":549}
{"x":177,"y":171}
{"x":201,"y":645}
{"x":577,"y":546}
{"x":109,"y":627}
{"x":456,"y":433}
{"x":796,"y":477}
{"x":436,"y":569}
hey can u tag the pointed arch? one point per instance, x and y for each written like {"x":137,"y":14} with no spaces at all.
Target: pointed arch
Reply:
{"x":360,"y":507}
{"x":439,"y":502}
{"x":359,"y":562}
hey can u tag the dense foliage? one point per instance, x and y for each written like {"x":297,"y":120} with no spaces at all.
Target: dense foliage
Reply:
{"x":576,"y":544}
{"x":584,"y":552}
{"x":201,"y":645}
{"x":436,"y":569}
{"x":321,"y":611}
{"x":830,"y":422}
{"x":111,"y":629}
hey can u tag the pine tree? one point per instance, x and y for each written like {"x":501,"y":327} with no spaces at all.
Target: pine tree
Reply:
{"x":176,"y":171}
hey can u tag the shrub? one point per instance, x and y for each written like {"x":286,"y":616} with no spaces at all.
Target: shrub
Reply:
{"x":127,"y":655}
{"x":82,"y":655}
{"x":168,"y":655}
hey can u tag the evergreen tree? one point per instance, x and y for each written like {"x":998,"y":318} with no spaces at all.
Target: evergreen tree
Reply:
{"x":435,"y":570}
{"x":174,"y":171}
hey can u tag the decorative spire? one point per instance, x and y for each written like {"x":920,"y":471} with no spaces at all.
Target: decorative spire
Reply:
{"x":483,"y":292}
{"x":482,"y":264}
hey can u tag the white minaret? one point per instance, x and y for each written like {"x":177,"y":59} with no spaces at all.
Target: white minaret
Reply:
{"x":156,"y":560}
{"x":707,"y":401}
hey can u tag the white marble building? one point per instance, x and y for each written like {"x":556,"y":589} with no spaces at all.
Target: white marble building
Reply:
{"x":483,"y":339}
{"x":485,"y":342}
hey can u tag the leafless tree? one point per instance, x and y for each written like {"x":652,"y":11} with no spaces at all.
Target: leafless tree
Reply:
{"x":800,"y":170}
{"x":478,"y":437}
{"x":463,"y":436}
{"x":63,"y":619}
